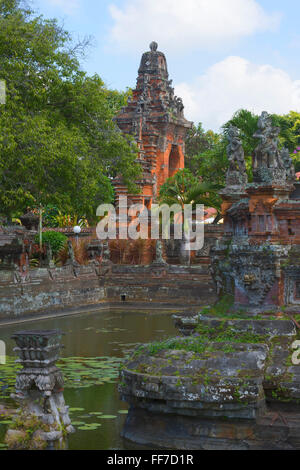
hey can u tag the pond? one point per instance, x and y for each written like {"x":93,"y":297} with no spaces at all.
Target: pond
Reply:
{"x":95,"y":344}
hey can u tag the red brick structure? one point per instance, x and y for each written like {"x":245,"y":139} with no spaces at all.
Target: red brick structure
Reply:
{"x":154,"y":116}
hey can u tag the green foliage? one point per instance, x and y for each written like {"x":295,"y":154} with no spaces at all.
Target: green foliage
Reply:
{"x":201,"y":342}
{"x":50,"y":214}
{"x":221,"y":308}
{"x":225,"y":333}
{"x":59,"y":144}
{"x":28,"y":425}
{"x":55,"y":239}
{"x":197,"y":142}
{"x":185,"y":188}
{"x":68,"y":220}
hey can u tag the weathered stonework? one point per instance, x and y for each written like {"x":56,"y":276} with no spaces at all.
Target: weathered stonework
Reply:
{"x":261,"y":224}
{"x":237,"y":390}
{"x":59,"y":289}
{"x":230,"y":382}
{"x":39,"y":393}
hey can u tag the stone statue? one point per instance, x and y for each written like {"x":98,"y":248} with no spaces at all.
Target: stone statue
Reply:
{"x":268,"y":165}
{"x":49,"y":263}
{"x":288,"y":164}
{"x":178,"y":104}
{"x":266,"y":153}
{"x":236,"y":174}
{"x":71,"y":255}
{"x":106,"y":253}
{"x":159,"y":253}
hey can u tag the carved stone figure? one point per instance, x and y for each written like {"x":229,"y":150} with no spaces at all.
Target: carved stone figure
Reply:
{"x":288,"y":164}
{"x":71,"y":255}
{"x":159,"y":253}
{"x":268,"y":166}
{"x":49,"y":263}
{"x":236,"y":174}
{"x":266,"y":153}
{"x":106,"y":253}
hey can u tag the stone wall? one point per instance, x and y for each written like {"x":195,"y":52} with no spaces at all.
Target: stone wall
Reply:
{"x":173,"y":284}
{"x":47,"y":290}
{"x":53,"y":290}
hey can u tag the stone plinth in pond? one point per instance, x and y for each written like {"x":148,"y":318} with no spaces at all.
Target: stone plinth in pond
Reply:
{"x":231,"y":385}
{"x":42,"y":421}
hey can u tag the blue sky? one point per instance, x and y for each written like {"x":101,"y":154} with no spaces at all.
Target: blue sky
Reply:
{"x":222,"y":54}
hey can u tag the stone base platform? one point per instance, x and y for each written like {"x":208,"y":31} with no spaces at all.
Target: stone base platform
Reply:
{"x":230,"y":385}
{"x":154,"y":430}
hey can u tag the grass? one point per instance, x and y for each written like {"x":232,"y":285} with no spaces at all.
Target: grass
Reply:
{"x":221,"y":308}
{"x":201,"y":342}
{"x":223,"y":333}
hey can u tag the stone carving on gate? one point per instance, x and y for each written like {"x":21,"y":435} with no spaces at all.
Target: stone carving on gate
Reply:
{"x":236,"y":173}
{"x":270,"y":165}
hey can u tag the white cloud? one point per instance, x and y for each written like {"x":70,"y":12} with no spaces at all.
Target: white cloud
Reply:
{"x":187,"y":23}
{"x":236,"y":83}
{"x":67,"y":6}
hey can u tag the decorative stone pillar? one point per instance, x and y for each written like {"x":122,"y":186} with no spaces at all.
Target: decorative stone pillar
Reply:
{"x":39,"y":392}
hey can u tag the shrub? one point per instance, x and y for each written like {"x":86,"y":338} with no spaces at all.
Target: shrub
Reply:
{"x":55,"y":239}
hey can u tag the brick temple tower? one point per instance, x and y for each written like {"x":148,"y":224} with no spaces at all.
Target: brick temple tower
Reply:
{"x":154,"y":116}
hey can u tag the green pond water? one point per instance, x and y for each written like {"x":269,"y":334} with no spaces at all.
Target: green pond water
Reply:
{"x":95,"y":345}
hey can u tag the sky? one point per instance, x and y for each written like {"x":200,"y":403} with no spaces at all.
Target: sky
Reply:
{"x":223,"y":55}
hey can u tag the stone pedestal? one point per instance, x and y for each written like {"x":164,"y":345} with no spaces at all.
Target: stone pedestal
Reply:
{"x":39,"y":393}
{"x":231,"y":385}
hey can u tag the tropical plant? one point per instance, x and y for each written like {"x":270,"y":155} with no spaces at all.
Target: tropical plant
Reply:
{"x":56,"y":240}
{"x":185,"y":188}
{"x":67,"y":220}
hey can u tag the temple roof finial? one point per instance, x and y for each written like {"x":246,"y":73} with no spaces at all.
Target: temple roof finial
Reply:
{"x":153,"y":46}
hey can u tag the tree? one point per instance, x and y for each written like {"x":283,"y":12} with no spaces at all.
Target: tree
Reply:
{"x":198,"y":142}
{"x":58,"y":141}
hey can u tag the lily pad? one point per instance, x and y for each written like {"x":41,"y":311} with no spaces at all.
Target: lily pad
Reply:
{"x":107,"y":417}
{"x":90,"y":427}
